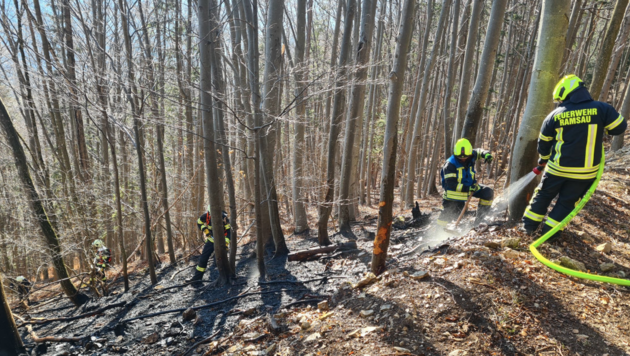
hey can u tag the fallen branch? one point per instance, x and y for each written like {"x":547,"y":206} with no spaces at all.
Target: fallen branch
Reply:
{"x":204,"y":341}
{"x":304,"y":255}
{"x":178,"y":310}
{"x":40,"y":340}
{"x":70,"y":318}
{"x":298,"y":282}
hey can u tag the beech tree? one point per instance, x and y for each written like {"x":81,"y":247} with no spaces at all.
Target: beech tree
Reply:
{"x":390,"y":142}
{"x":545,"y":75}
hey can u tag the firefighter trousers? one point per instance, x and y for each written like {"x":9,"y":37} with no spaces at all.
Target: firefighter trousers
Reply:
{"x":452,"y":208}
{"x":208,"y":249}
{"x":569,"y":192}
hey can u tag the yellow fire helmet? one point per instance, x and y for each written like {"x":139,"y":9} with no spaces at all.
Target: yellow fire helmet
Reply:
{"x":98,"y":243}
{"x":565,"y":86}
{"x":462,"y":148}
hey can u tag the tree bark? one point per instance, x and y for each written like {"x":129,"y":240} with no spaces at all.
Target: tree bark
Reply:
{"x":271,"y":93}
{"x":299,"y":212}
{"x":486,"y":67}
{"x":464,"y":85}
{"x":606,"y":49}
{"x":388,"y":175}
{"x":38,"y":208}
{"x":551,"y":36}
{"x":335,"y":123}
{"x":11,"y":344}
{"x":422,"y":100}
{"x":356,"y":110}
{"x":214,"y":184}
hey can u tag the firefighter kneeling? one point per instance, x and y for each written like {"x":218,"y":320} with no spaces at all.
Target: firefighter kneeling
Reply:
{"x":205,"y":225}
{"x":458,"y":181}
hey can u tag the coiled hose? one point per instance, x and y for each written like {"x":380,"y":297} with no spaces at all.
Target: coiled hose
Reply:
{"x":563,"y":223}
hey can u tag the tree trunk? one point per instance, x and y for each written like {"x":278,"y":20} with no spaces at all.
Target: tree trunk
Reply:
{"x":214,"y":184}
{"x":139,"y":140}
{"x":622,"y":42}
{"x":606,"y":49}
{"x":356,"y":110}
{"x":486,"y":67}
{"x":38,"y":208}
{"x":448,"y":123}
{"x":397,"y":75}
{"x":11,"y":344}
{"x":299,"y":212}
{"x":335,"y":127}
{"x":271,"y":108}
{"x":551,"y":36}
{"x":464,"y":85}
{"x":250,"y":8}
{"x":617,"y":142}
{"x":415,"y":137}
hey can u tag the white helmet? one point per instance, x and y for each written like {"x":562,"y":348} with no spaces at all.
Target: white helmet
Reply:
{"x":20,"y":279}
{"x":98,"y":243}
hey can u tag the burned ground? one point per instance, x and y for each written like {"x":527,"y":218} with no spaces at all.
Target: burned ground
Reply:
{"x":480,"y":297}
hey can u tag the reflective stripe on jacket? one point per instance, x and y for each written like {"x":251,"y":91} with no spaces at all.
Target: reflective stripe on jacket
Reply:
{"x":457,"y":178}
{"x":571,"y":136}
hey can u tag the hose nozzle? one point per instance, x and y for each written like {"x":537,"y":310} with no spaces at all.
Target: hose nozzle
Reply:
{"x":538,"y":169}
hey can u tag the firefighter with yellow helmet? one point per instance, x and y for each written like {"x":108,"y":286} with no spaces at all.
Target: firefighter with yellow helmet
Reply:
{"x":570,"y":148}
{"x":458,"y":181}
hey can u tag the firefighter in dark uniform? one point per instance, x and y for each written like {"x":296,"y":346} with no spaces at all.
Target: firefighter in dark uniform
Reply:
{"x":102,"y":259}
{"x":205,"y":225}
{"x":23,"y":286}
{"x":458,"y":181}
{"x":570,"y":147}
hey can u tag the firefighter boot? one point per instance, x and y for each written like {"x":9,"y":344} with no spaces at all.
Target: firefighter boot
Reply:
{"x":195,"y":280}
{"x":482,"y":212}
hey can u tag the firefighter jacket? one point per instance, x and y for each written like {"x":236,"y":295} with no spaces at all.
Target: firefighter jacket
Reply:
{"x":457,"y":177}
{"x":571,"y":135}
{"x":103,"y":258}
{"x":205,"y":225}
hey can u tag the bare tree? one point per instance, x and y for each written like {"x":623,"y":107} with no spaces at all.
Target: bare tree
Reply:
{"x":551,"y":36}
{"x":390,"y":141}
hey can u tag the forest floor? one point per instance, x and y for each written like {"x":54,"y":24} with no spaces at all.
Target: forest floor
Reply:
{"x":479,"y":297}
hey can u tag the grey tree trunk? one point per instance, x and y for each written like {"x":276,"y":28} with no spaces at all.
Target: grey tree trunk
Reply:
{"x":551,"y":36}
{"x":299,"y":212}
{"x":271,"y":108}
{"x":37,"y":207}
{"x":11,"y":344}
{"x":605,"y":51}
{"x":219,"y":127}
{"x":448,"y":123}
{"x":576,"y":15}
{"x":617,"y":142}
{"x":620,"y":45}
{"x":214,"y":184}
{"x":464,"y":85}
{"x":357,"y":101}
{"x":388,"y":175}
{"x":486,"y":67}
{"x":415,"y":137}
{"x":363,"y":165}
{"x":335,"y":123}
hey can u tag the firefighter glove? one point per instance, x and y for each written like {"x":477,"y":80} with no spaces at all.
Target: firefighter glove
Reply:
{"x":488,"y":158}
{"x":542,"y":162}
{"x":474,"y":188}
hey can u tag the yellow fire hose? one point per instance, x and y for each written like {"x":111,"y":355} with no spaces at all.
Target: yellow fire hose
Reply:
{"x":563,"y":223}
